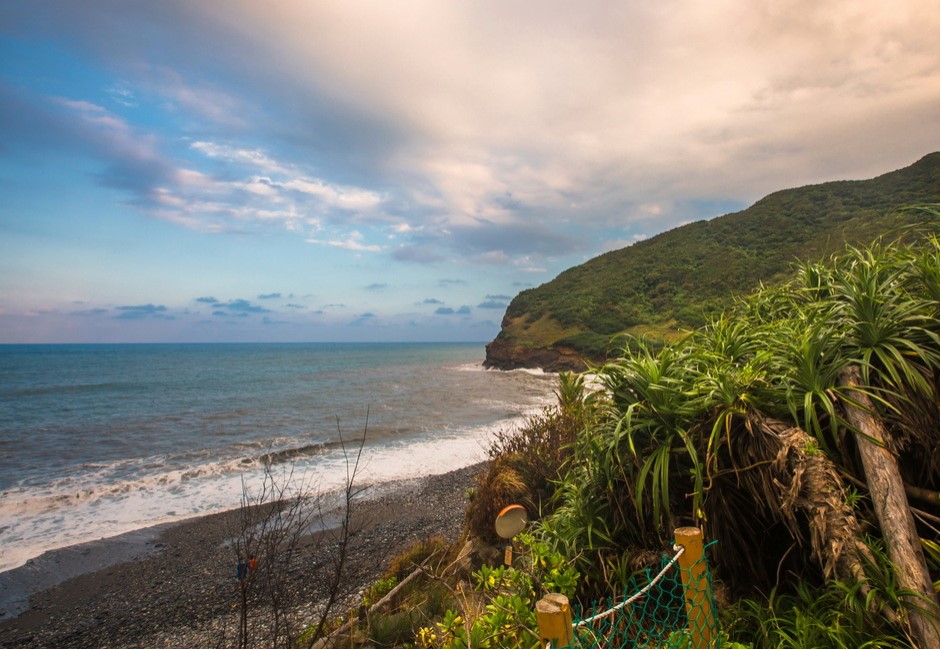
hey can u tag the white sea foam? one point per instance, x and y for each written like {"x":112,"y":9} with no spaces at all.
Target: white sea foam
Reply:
{"x":176,"y":440}
{"x":532,"y":371}
{"x":74,"y":510}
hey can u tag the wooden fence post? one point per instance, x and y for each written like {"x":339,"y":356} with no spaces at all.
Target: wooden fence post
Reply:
{"x":554,"y":618}
{"x":697,"y":589}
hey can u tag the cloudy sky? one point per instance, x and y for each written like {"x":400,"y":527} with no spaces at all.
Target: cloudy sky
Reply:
{"x":303,"y":170}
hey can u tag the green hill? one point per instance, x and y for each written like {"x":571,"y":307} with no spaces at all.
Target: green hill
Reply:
{"x":675,"y":280}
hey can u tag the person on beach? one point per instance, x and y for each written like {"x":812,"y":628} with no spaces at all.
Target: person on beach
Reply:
{"x":241,"y":570}
{"x":252,"y":564}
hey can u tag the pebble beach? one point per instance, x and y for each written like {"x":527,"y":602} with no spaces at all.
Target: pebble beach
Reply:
{"x":174,"y":586}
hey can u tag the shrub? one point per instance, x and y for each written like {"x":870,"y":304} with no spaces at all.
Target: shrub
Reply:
{"x":403,"y":564}
{"x":525,"y":463}
{"x":501,"y":611}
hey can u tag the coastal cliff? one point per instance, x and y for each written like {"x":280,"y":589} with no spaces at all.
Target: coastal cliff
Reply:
{"x":504,"y":355}
{"x":674,"y":282}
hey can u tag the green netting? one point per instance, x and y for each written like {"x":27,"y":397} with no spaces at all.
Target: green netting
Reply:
{"x":656,"y":612}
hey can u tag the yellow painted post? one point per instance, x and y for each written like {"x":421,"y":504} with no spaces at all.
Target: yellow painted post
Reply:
{"x":554,"y":618}
{"x":696,"y":587}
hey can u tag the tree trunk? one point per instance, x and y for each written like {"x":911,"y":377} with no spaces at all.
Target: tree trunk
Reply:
{"x":893,"y":511}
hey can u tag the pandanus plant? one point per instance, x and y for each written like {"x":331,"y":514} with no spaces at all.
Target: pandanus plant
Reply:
{"x":749,"y":428}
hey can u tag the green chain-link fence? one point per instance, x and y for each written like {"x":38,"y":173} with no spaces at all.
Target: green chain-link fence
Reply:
{"x":672,"y":606}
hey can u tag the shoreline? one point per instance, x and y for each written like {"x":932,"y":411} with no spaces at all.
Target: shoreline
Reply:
{"x":53,"y":567}
{"x":158,"y":586}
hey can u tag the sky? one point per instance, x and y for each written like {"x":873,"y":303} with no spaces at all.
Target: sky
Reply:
{"x":304,"y":170}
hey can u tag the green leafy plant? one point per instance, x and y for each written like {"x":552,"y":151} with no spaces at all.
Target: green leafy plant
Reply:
{"x":526,"y":462}
{"x":500,"y":614}
{"x":378,"y":590}
{"x":739,"y":428}
{"x":810,"y":617}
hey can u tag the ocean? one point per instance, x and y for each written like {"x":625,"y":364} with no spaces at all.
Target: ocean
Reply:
{"x":99,"y":440}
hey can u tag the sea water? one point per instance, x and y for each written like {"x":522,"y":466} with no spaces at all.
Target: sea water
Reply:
{"x":98,"y":440}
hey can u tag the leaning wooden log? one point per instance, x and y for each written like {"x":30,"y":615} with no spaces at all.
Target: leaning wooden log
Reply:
{"x":326,"y":641}
{"x":893,"y":511}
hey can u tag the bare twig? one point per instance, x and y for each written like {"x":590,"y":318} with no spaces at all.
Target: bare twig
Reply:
{"x":273,"y":520}
{"x":345,"y":529}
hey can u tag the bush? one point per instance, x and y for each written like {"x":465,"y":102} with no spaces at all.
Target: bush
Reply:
{"x":403,"y":564}
{"x":501,"y":610}
{"x":525,"y":463}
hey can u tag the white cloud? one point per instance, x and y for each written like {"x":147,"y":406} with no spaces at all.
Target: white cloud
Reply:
{"x":123,"y":96}
{"x":421,"y":118}
{"x":285,"y":179}
{"x":353,"y":243}
{"x":404,"y":228}
{"x":349,"y":198}
{"x":194,"y":179}
{"x":81,"y":106}
{"x":206,"y":103}
{"x":109,"y":134}
{"x":254,"y":158}
{"x":258,"y":185}
{"x":670,"y":100}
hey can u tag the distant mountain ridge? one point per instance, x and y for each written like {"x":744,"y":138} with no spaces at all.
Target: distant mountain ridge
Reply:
{"x":673,"y":281}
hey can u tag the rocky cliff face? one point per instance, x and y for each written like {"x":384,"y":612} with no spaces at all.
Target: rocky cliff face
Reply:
{"x":503,"y":355}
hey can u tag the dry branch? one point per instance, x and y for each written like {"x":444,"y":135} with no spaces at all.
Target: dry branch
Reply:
{"x":809,"y":482}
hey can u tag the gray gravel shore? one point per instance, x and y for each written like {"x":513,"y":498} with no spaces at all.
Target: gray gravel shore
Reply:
{"x":174,"y":586}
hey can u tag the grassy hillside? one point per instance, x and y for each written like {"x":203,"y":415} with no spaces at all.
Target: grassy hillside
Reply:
{"x":675,"y":280}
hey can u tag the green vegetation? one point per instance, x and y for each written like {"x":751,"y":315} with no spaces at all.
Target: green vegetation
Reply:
{"x":681,"y":279}
{"x":822,"y":618}
{"x":500,"y":611}
{"x":745,"y":428}
{"x":525,"y":464}
{"x":741,"y":428}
